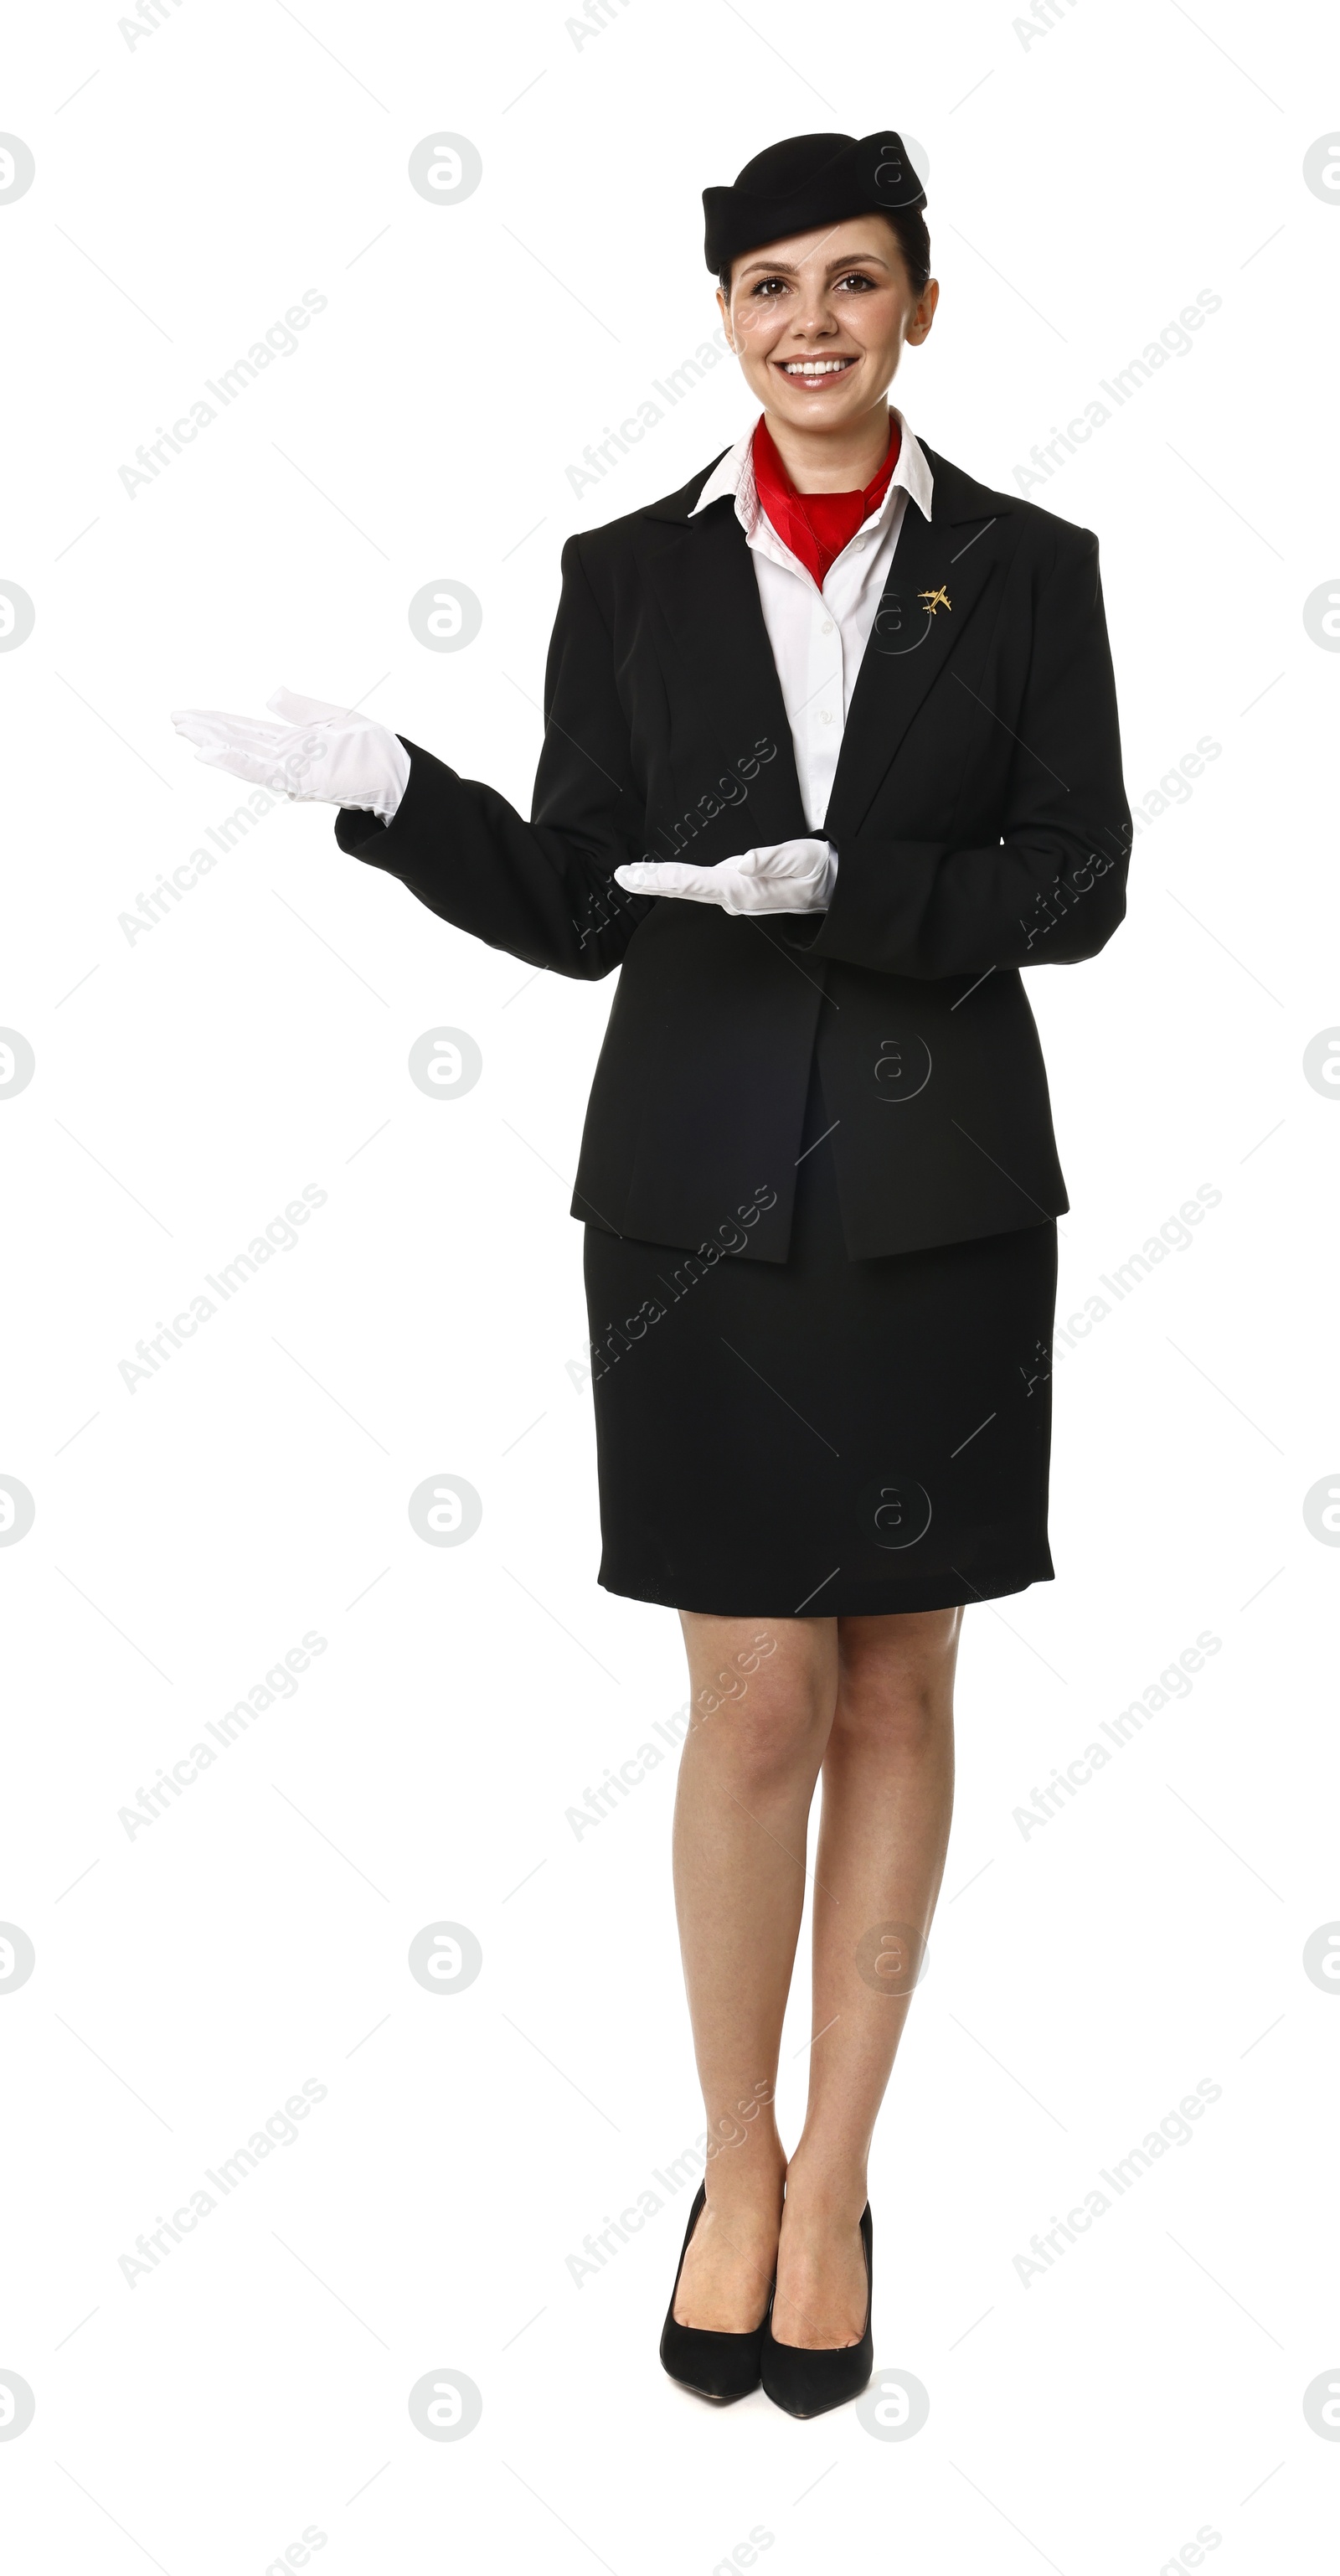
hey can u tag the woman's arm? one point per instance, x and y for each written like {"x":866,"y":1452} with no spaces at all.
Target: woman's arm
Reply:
{"x":1053,"y":888}
{"x":542,"y":890}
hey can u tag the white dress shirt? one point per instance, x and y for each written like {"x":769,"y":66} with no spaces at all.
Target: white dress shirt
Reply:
{"x":819,"y":636}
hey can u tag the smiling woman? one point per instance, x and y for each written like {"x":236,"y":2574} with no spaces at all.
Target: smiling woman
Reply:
{"x":875,"y":278}
{"x":818,"y":1178}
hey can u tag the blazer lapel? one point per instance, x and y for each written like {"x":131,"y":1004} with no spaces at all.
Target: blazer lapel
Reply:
{"x":708,"y":591}
{"x":941,"y":569}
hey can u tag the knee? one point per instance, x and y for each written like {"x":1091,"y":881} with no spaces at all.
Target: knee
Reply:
{"x":770,"y":1737}
{"x":896,"y":1683}
{"x":905,"y":1716}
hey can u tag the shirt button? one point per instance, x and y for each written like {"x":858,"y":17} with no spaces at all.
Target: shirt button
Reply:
{"x":827,"y":626}
{"x":826,"y":715}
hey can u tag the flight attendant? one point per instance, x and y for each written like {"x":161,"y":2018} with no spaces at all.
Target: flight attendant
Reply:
{"x":831,"y":753}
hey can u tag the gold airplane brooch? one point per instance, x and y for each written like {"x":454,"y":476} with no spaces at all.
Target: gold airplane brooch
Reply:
{"x":933,"y":599}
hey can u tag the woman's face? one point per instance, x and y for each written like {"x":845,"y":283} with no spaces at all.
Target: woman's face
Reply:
{"x":820,"y":322}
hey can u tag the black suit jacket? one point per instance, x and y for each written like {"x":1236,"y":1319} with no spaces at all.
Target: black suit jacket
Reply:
{"x":980,"y":824}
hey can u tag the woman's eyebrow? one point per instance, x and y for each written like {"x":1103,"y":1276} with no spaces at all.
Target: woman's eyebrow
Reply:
{"x":786,"y":268}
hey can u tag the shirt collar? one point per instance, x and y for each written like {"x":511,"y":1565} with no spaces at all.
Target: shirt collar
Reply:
{"x":734,"y":478}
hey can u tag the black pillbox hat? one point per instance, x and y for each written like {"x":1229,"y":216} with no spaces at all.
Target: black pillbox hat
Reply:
{"x":810,"y":179}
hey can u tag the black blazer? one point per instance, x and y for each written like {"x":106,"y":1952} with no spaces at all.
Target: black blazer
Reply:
{"x":980,"y":824}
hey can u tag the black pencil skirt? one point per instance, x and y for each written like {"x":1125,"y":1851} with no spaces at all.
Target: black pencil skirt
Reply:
{"x":822,"y":1437}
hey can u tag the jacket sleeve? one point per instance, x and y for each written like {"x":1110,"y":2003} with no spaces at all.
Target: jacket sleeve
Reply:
{"x":1053,"y":888}
{"x":542,"y":890}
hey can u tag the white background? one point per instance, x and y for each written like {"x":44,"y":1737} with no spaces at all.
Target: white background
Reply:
{"x":1084,"y":186}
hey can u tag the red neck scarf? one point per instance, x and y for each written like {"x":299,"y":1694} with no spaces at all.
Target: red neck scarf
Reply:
{"x":816,"y":525}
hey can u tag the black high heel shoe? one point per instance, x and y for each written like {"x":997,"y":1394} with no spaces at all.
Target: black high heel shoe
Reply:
{"x":720,"y":2366}
{"x":809,"y":2383}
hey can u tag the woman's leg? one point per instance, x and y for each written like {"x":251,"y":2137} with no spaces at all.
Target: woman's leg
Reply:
{"x":888,"y":1786}
{"x":763,"y":1696}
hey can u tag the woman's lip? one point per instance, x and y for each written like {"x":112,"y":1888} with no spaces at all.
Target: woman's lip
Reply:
{"x":817,"y":384}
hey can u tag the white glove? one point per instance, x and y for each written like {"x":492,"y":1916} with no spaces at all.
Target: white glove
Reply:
{"x":322,"y":753}
{"x":790,"y":876}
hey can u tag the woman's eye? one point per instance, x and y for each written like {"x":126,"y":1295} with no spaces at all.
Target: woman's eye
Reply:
{"x":765,"y":283}
{"x":857,"y":278}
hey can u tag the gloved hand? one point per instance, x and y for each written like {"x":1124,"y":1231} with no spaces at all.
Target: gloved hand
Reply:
{"x":789,"y":876}
{"x":321,"y":753}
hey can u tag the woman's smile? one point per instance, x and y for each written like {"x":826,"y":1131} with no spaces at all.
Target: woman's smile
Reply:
{"x":815,"y":375}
